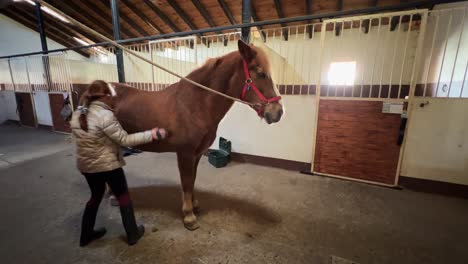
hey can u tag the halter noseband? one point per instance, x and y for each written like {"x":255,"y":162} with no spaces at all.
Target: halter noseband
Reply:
{"x":250,"y":84}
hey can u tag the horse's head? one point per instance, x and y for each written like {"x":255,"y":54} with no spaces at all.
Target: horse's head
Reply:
{"x":259,"y":87}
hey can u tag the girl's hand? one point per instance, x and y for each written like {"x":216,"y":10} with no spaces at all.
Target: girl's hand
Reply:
{"x":158,"y":133}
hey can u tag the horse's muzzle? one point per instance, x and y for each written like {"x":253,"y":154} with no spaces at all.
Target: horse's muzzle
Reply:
{"x":273,"y":113}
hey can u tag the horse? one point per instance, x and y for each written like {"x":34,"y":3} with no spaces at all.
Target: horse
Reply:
{"x":191,"y":115}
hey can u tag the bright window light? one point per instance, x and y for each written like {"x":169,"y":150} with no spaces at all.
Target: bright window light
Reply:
{"x":47,"y":10}
{"x":84,"y":43}
{"x":342,"y":73}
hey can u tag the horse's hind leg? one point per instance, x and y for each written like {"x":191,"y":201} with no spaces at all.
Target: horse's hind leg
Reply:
{"x":186,"y":163}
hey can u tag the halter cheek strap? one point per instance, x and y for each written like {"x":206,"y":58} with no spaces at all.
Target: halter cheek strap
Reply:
{"x":249,"y":84}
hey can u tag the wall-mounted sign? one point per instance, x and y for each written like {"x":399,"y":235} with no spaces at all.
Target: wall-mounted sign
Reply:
{"x":392,"y":108}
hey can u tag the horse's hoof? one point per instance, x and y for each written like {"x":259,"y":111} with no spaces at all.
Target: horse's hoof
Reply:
{"x":192,"y":226}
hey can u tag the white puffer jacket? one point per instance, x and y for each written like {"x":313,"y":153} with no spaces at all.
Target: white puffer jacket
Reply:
{"x":98,"y":149}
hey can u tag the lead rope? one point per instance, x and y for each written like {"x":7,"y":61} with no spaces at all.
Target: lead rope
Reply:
{"x":84,"y":27}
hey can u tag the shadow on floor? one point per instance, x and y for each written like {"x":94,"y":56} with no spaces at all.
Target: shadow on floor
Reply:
{"x":168,"y":198}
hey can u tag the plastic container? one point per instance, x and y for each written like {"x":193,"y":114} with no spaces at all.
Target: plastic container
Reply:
{"x":220,"y":158}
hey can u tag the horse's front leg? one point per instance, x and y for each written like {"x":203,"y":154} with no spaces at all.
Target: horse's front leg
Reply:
{"x":196,"y":205}
{"x":186,"y":163}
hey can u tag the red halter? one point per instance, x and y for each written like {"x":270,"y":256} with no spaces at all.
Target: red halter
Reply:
{"x":250,"y":84}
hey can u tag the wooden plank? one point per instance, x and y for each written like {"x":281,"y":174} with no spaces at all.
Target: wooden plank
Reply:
{"x":161,"y":15}
{"x":105,"y":14}
{"x":143,"y":16}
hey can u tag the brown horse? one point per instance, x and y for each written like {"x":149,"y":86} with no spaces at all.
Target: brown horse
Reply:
{"x":191,"y":115}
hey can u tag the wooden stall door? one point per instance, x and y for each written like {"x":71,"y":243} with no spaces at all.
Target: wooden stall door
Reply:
{"x":25,"y":109}
{"x":56,"y":104}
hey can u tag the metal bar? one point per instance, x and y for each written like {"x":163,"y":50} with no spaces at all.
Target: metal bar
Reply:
{"x":253,"y":24}
{"x":375,"y":55}
{"x":339,"y":4}
{"x":443,"y":55}
{"x":430,"y":54}
{"x":118,"y":52}
{"x":308,"y":12}
{"x":43,"y":37}
{"x":458,"y":48}
{"x":394,"y":55}
{"x":246,"y":16}
{"x":404,"y":55}
{"x":359,"y":40}
{"x":317,"y":91}
{"x":256,"y":19}
{"x":464,"y":78}
{"x":279,"y":11}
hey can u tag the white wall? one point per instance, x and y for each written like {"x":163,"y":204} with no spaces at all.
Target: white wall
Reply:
{"x":291,"y":139}
{"x":437,"y":141}
{"x":22,"y":40}
{"x":8,"y":106}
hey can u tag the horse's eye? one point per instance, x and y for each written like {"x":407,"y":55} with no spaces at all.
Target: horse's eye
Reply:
{"x":261,"y":75}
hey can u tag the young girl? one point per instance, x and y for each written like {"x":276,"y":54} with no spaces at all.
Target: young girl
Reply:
{"x":98,"y":137}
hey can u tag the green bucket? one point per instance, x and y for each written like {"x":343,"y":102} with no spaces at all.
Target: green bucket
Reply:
{"x":220,"y":158}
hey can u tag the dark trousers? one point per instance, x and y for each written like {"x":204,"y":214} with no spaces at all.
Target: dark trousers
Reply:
{"x":116,"y":181}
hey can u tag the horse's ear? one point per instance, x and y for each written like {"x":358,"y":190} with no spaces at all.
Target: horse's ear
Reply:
{"x":246,"y":51}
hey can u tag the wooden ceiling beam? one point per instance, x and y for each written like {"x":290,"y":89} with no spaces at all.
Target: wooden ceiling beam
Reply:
{"x":279,"y":11}
{"x":105,"y":16}
{"x":129,"y":21}
{"x":72,"y":9}
{"x":65,"y":27}
{"x":227,"y":11}
{"x":144,"y":17}
{"x":255,"y":19}
{"x":205,"y":14}
{"x":182,"y":14}
{"x":185,"y":18}
{"x":162,"y":16}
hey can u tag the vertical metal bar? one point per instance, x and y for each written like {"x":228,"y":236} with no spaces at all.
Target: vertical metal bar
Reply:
{"x":302,"y":57}
{"x":366,"y":56}
{"x":11,"y":76}
{"x":443,"y":55}
{"x":361,"y":68}
{"x":116,"y":29}
{"x":246,"y":16}
{"x":464,"y":78}
{"x":317,"y":95}
{"x":43,"y":37}
{"x":309,"y":81}
{"x":458,"y":48}
{"x":31,"y":92}
{"x":331,"y":56}
{"x":430,"y":54}
{"x":375,"y":55}
{"x":295,"y":55}
{"x":404,"y":54}
{"x":394,"y":55}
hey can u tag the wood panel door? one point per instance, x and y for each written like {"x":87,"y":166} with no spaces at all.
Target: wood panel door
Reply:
{"x":25,"y":108}
{"x":56,"y":104}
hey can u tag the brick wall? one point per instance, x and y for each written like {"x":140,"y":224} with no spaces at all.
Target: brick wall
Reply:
{"x":355,"y":139}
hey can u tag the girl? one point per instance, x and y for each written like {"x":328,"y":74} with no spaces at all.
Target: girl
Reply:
{"x":98,"y":137}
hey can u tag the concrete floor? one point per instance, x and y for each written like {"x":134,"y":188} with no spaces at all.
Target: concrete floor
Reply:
{"x":250,"y":214}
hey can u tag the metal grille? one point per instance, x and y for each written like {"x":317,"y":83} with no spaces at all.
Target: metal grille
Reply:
{"x":177,"y":54}
{"x":444,"y":68}
{"x":383,"y":48}
{"x":19,"y":74}
{"x":5,"y":75}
